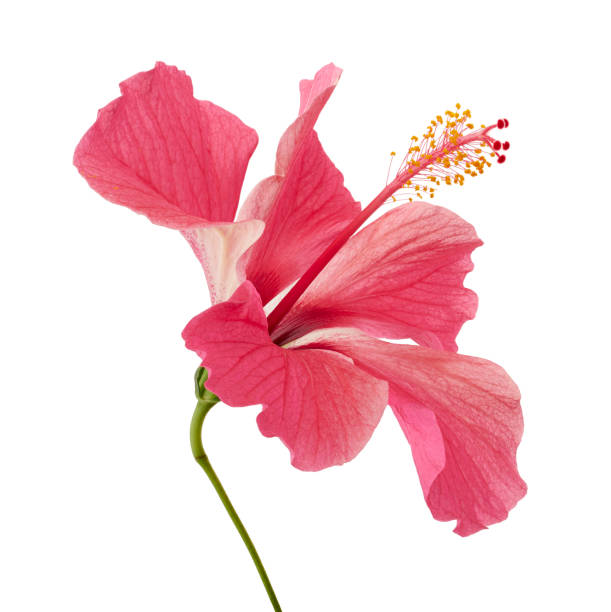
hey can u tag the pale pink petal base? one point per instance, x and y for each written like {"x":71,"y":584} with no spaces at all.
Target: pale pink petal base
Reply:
{"x":462,"y":416}
{"x":317,"y":402}
{"x":219,"y":246}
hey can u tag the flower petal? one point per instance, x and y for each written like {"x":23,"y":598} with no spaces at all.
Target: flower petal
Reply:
{"x":462,"y":417}
{"x":313,"y":400}
{"x":304,"y":205}
{"x":399,"y":277}
{"x":219,"y":246}
{"x":321,"y":85}
{"x":162,"y":153}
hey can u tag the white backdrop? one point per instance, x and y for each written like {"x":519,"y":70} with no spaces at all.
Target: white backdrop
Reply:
{"x":103,"y":507}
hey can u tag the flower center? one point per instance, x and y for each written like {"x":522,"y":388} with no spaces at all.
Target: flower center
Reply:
{"x":447,"y":152}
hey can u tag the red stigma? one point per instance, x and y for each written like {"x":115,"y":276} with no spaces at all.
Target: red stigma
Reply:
{"x":497,"y":145}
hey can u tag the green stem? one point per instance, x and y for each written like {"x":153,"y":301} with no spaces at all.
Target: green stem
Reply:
{"x":205,"y":401}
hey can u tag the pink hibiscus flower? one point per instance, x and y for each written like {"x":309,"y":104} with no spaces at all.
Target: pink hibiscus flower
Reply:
{"x":300,"y":296}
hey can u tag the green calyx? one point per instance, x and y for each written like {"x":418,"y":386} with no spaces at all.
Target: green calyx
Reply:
{"x":201,"y":393}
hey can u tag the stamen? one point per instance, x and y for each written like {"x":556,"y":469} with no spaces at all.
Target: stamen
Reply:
{"x":392,"y":157}
{"x":447,"y":151}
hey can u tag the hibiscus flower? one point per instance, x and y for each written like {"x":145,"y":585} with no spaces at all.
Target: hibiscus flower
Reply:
{"x":301,"y":292}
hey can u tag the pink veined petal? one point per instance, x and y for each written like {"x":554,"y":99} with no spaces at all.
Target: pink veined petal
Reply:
{"x":399,"y":277}
{"x":304,"y":205}
{"x":319,"y":91}
{"x":462,"y":417}
{"x":326,"y":79}
{"x":426,"y":441}
{"x":313,"y":400}
{"x":219,"y":246}
{"x":164,"y":154}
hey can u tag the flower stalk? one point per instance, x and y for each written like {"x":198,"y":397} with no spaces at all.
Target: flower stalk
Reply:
{"x":205,"y":401}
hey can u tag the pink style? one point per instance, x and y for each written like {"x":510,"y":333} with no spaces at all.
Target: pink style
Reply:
{"x":301,"y":293}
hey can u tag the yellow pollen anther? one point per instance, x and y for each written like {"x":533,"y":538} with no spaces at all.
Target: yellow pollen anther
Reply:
{"x":448,"y":150}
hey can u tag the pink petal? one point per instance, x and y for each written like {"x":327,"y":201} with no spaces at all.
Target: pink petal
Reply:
{"x":317,"y":402}
{"x":219,"y":246}
{"x":304,"y":206}
{"x":325,"y":80}
{"x":399,"y":277}
{"x":162,"y":153}
{"x":462,"y":417}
